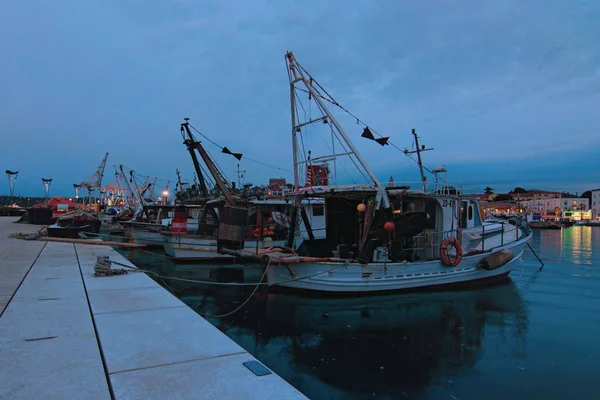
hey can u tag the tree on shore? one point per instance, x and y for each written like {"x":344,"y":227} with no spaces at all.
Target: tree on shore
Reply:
{"x":488,"y":190}
{"x":503,"y":197}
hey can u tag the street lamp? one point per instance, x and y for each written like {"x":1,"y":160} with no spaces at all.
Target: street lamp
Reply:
{"x":165,"y":193}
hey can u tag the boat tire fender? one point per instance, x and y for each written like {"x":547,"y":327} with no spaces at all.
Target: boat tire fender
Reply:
{"x":446,"y":259}
{"x":497,"y":259}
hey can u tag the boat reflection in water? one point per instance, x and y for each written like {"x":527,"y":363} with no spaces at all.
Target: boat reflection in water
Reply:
{"x":388,"y":345}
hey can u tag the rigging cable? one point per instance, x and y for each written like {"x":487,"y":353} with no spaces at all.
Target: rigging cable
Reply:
{"x":358,"y":120}
{"x":246,"y":157}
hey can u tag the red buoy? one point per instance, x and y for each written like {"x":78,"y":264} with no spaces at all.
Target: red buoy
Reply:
{"x":389,"y":226}
{"x":361,"y":207}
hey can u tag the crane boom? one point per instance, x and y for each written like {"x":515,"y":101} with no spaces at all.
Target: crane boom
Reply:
{"x":211,"y":167}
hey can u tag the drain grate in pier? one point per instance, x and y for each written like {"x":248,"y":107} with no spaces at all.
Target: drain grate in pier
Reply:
{"x":257,"y":368}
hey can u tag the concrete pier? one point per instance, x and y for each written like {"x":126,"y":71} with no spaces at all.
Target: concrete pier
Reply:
{"x":67,"y":334}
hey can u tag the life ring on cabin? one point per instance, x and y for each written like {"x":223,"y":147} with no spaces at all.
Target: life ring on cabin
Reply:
{"x":446,"y":259}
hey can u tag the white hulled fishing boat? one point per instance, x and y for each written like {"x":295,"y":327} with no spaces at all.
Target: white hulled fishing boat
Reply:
{"x":377,"y":238}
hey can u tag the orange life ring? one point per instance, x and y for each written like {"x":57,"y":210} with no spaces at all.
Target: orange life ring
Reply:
{"x":447,"y":260}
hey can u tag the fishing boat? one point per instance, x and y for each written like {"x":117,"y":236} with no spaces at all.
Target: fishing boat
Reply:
{"x":379,"y":238}
{"x":544,"y":225}
{"x":230,"y":219}
{"x":267,"y":225}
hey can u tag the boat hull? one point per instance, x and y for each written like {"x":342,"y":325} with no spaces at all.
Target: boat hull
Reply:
{"x":149,"y":238}
{"x":198,"y":249}
{"x":355,"y":278}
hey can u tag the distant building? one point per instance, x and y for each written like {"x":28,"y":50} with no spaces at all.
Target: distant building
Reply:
{"x":577,"y":215}
{"x":558,"y":204}
{"x":535,"y":194}
{"x":277,"y":184}
{"x":542,"y":194}
{"x":595,"y":206}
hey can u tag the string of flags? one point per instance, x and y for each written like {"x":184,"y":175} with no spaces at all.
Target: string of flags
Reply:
{"x":369,"y":135}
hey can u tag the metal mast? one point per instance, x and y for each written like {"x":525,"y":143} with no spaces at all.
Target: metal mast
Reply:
{"x":133,"y":193}
{"x":190,"y":146}
{"x":297,"y":74}
{"x":209,"y":163}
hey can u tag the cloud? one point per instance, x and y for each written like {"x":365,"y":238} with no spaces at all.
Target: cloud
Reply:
{"x":481,"y":82}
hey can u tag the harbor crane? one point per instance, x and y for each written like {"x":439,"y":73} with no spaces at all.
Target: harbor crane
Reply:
{"x":95,"y":181}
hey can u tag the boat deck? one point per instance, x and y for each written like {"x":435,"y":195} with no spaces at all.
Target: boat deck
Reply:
{"x":65,"y":333}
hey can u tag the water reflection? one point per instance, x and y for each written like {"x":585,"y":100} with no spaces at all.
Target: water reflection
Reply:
{"x":389,"y":345}
{"x":577,"y":241}
{"x":466,"y":344}
{"x":572,"y":244}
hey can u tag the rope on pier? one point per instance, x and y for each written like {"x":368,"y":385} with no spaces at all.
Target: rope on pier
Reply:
{"x":43,"y":231}
{"x":103,"y":267}
{"x":26,"y":236}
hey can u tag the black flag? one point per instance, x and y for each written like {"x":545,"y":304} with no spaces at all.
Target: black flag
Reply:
{"x":382,"y":141}
{"x":236,"y":155}
{"x":368,"y":134}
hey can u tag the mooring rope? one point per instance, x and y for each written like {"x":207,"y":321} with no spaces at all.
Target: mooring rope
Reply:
{"x":244,"y":302}
{"x":135,"y":269}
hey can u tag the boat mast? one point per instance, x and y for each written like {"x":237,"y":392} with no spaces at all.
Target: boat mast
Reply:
{"x":153,"y":191}
{"x":179,"y":183}
{"x":296,"y":75}
{"x":293,"y":76}
{"x":195,"y":161}
{"x":133,"y":193}
{"x":211,"y":167}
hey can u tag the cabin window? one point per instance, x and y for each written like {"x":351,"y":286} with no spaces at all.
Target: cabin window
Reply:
{"x":470,"y":213}
{"x":318,"y":210}
{"x":463,"y":214}
{"x":477,"y":215}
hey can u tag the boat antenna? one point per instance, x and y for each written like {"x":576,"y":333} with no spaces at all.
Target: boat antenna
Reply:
{"x":240,"y":176}
{"x":420,"y":162}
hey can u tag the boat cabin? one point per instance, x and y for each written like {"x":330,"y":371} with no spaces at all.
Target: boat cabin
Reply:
{"x":348,"y":225}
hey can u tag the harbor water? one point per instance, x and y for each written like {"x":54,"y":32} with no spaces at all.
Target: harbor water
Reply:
{"x":535,"y":336}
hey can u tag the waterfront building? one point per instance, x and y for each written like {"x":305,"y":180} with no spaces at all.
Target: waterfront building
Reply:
{"x":595,"y":205}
